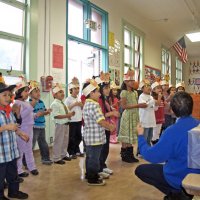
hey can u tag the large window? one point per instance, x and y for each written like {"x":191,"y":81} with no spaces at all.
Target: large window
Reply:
{"x":133,"y":49}
{"x":179,"y":71}
{"x":12,"y":34}
{"x":166,"y":63}
{"x":87,"y":38}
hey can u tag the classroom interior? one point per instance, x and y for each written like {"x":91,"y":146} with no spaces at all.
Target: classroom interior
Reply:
{"x":51,"y":41}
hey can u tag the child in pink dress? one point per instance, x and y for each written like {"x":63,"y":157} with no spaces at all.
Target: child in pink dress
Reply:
{"x":114,"y":102}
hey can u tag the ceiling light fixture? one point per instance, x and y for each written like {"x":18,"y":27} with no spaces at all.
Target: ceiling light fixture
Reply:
{"x":194,"y":37}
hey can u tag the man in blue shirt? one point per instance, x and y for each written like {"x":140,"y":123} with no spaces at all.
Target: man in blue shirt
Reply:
{"x":170,"y":150}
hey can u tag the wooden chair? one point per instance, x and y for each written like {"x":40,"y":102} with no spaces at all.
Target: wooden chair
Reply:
{"x":191,"y":183}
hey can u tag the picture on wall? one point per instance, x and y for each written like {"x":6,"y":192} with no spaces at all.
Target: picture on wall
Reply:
{"x":151,"y":73}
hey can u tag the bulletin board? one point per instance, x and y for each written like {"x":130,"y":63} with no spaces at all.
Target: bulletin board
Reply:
{"x":151,"y":73}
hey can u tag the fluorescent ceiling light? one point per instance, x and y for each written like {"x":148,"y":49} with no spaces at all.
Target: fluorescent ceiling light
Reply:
{"x":194,"y":37}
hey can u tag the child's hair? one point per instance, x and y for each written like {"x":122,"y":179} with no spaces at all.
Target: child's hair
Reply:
{"x":155,"y":96}
{"x":112,"y":96}
{"x":104,"y":99}
{"x":124,"y":87}
{"x":0,"y":73}
{"x":182,"y":104}
{"x":18,"y":93}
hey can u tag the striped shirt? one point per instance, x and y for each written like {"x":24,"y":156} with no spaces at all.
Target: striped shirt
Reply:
{"x":8,"y":140}
{"x":93,"y":133}
{"x":39,"y":121}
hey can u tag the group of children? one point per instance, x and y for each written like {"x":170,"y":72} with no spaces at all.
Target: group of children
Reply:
{"x":97,"y":111}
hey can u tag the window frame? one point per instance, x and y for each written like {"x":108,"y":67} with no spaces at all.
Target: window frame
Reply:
{"x":166,"y":62}
{"x":134,"y":32}
{"x":179,"y":70}
{"x":17,"y":38}
{"x":87,"y":11}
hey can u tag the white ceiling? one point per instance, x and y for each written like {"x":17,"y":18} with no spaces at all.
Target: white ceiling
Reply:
{"x":173,"y":18}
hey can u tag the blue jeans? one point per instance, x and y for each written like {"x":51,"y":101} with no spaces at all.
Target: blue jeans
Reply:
{"x":148,"y":134}
{"x":93,"y":162}
{"x":39,"y":136}
{"x":8,"y":171}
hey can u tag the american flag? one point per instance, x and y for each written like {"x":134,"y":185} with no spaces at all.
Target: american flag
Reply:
{"x":180,"y":48}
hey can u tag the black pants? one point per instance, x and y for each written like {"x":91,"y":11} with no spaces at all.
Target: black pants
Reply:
{"x":75,"y":137}
{"x":153,"y":174}
{"x":8,"y":171}
{"x":105,"y":152}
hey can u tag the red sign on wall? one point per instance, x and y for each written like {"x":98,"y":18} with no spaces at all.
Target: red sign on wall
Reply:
{"x":57,"y":56}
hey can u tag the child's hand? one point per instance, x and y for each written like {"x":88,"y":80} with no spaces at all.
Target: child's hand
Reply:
{"x":49,"y":111}
{"x":16,"y":109}
{"x":23,"y":135}
{"x":140,"y":129}
{"x":39,"y":114}
{"x":112,"y":127}
{"x":11,"y":127}
{"x":72,"y":114}
{"x":142,"y":105}
{"x":116,"y":113}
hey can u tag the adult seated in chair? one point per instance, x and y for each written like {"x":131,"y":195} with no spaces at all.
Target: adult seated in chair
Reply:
{"x":170,"y":150}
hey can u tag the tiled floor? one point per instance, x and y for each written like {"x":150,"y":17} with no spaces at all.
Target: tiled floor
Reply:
{"x":66,"y":182}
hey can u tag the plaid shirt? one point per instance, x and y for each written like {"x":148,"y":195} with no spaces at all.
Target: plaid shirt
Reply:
{"x":93,"y":133}
{"x":8,"y":140}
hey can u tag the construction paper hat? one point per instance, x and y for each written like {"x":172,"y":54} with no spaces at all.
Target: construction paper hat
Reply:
{"x":91,"y":87}
{"x":181,"y":84}
{"x":130,"y":75}
{"x":155,"y":84}
{"x":114,"y":86}
{"x":21,"y":84}
{"x":74,"y":83}
{"x":164,"y":82}
{"x":56,"y":88}
{"x":143,"y":83}
{"x":33,"y":85}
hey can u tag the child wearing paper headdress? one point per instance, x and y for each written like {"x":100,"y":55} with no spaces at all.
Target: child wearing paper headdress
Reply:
{"x":39,"y":122}
{"x":114,"y":102}
{"x":147,"y":114}
{"x":104,"y":88}
{"x":60,"y":116}
{"x":159,"y":110}
{"x":9,"y":153}
{"x":130,"y":117}
{"x":94,"y":132}
{"x":180,"y":87}
{"x":73,"y":102}
{"x":24,"y":109}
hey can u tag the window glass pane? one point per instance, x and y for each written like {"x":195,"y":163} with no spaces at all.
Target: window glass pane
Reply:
{"x":83,"y":61}
{"x":96,"y":34}
{"x":13,"y":19}
{"x":127,"y":37}
{"x":75,"y":19}
{"x":11,"y":55}
{"x":137,"y":60}
{"x":127,"y":55}
{"x":23,"y":1}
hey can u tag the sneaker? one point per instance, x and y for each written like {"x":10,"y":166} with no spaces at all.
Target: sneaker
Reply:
{"x":104,"y":175}
{"x":73,"y":156}
{"x":47,"y":162}
{"x":34,"y":172}
{"x":108,"y":171}
{"x":67,"y":158}
{"x":96,"y":183}
{"x":79,"y":154}
{"x":60,"y":162}
{"x":23,"y":174}
{"x":18,"y":195}
{"x":19,"y":179}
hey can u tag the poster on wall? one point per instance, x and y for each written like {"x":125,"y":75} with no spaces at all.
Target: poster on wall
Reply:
{"x":151,"y":73}
{"x":57,"y":56}
{"x":115,"y":75}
